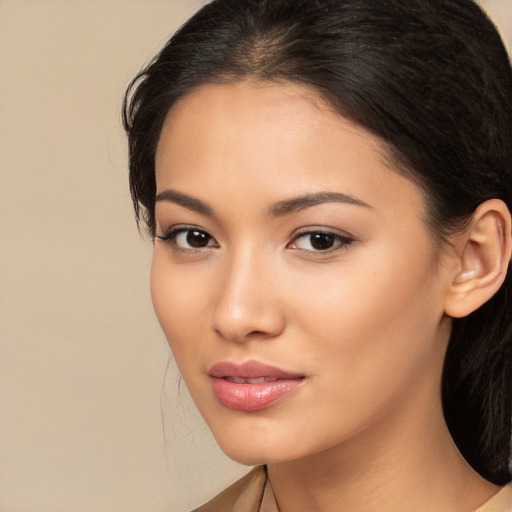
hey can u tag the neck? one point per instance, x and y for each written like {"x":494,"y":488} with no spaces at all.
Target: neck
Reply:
{"x":375,"y":472}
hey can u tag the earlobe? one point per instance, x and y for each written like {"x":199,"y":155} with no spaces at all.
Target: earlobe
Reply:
{"x":483,"y":256}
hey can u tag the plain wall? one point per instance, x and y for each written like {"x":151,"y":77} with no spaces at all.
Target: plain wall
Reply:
{"x":82,"y":359}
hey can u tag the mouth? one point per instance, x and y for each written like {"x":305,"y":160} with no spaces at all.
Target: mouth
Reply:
{"x":257,"y":380}
{"x":252,"y":386}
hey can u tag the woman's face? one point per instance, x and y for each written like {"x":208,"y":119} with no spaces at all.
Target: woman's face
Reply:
{"x":294,"y":275}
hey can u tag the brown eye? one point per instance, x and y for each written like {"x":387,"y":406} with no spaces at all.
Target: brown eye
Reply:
{"x":188,"y":238}
{"x":320,"y":241}
{"x":197,"y":239}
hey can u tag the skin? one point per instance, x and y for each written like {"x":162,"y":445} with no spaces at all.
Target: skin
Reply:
{"x":364,"y":322}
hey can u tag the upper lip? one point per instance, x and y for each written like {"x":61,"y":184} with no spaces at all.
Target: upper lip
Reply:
{"x":250,"y":370}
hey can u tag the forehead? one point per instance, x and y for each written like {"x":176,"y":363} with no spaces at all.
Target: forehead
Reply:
{"x":277,"y":138}
{"x":250,"y":94}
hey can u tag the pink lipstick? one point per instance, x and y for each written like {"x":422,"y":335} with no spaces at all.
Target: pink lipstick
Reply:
{"x":252,"y":386}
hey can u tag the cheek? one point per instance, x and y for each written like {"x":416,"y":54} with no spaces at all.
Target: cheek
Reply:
{"x":375,"y":325}
{"x":177,"y":306}
{"x":372,"y":349}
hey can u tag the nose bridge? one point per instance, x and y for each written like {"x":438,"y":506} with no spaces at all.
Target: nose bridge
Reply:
{"x":247,"y":303}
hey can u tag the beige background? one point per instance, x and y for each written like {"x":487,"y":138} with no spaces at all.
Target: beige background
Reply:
{"x":82,"y":360}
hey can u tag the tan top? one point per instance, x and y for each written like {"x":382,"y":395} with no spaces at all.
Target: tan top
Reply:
{"x":253,"y":494}
{"x":245,"y":495}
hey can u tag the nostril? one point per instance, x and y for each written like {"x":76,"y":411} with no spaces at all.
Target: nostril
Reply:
{"x":254,"y":334}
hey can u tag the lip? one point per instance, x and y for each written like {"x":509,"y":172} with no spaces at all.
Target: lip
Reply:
{"x":275,"y":385}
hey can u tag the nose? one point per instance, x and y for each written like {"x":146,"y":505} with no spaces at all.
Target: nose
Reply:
{"x":248,"y":305}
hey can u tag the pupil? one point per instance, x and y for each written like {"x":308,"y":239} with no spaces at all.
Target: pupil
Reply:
{"x":197,"y":239}
{"x":322,"y":241}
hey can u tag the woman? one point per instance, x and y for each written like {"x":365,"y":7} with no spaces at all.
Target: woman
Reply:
{"x":328,"y":184}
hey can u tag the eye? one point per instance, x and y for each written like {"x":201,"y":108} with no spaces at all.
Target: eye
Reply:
{"x":188,"y":238}
{"x":320,"y":241}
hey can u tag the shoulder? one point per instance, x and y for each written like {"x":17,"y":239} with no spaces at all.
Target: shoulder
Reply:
{"x":244,"y":495}
{"x":501,"y":502}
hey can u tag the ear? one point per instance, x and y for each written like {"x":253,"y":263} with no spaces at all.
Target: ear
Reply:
{"x":482,"y":257}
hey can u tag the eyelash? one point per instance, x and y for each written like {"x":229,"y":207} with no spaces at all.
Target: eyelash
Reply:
{"x":338,"y":241}
{"x":172,"y":234}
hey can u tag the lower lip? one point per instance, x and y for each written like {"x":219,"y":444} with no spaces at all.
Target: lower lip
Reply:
{"x":253,"y":397}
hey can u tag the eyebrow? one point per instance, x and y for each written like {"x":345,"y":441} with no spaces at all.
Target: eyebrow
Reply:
{"x":308,"y":200}
{"x":276,"y":210}
{"x":191,"y":203}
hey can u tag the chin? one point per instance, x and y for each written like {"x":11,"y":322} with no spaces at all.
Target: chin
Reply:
{"x":252,"y":448}
{"x":254,"y":456}
{"x":247,"y":459}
